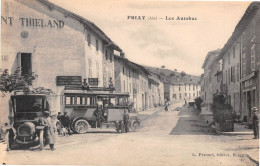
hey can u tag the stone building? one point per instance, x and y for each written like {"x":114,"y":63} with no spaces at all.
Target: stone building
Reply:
{"x":156,"y":87}
{"x":54,"y":43}
{"x":133,"y":78}
{"x":184,"y":89}
{"x":241,"y":63}
{"x":202,"y":87}
{"x":207,"y":77}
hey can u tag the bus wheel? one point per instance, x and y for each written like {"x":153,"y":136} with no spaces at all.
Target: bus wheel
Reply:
{"x":41,"y":140}
{"x":81,"y":126}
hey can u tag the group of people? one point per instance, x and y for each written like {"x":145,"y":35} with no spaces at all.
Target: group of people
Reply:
{"x":65,"y":121}
{"x":101,"y":116}
{"x":50,"y":127}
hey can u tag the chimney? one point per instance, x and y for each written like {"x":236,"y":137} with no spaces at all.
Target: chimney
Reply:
{"x":122,"y":54}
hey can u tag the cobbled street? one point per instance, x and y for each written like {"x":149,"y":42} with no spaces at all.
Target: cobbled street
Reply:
{"x":177,"y":137}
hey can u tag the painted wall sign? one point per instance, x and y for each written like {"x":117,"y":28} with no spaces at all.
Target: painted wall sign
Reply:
{"x":69,"y":80}
{"x":32,"y":22}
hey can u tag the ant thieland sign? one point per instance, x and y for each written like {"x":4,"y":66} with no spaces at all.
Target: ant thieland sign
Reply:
{"x":32,"y":22}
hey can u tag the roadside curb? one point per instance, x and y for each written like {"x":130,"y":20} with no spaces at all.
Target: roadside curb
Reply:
{"x":233,"y":133}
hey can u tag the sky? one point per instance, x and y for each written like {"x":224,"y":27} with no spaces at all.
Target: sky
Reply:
{"x":176,"y":44}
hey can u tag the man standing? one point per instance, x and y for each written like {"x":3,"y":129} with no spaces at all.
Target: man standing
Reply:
{"x":255,"y":123}
{"x":59,"y":116}
{"x":65,"y":120}
{"x":49,"y":131}
{"x":126,"y":120}
{"x":99,"y":115}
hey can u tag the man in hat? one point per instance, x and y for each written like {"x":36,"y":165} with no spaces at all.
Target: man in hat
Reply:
{"x":255,"y":123}
{"x":126,"y":120}
{"x":49,"y":130}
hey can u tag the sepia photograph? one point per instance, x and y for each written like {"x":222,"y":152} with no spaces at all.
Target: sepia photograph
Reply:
{"x":129,"y":83}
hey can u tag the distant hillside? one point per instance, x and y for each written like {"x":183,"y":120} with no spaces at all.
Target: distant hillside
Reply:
{"x":170,"y":76}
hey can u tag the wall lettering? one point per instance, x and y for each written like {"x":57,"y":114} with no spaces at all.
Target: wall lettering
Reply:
{"x":33,"y":22}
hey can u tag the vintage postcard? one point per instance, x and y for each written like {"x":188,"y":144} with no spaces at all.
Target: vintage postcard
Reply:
{"x":113,"y":82}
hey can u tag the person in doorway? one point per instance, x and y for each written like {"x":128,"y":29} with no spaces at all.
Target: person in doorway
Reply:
{"x":49,"y":131}
{"x":126,"y":120}
{"x":255,"y":123}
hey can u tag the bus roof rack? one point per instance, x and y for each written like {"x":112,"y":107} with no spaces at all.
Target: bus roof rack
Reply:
{"x":111,"y":89}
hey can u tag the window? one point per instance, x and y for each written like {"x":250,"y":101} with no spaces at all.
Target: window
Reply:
{"x":233,"y":74}
{"x":185,"y":94}
{"x":111,"y":57}
{"x":229,"y":58}
{"x":106,"y":55}
{"x":26,"y":64}
{"x":180,"y":95}
{"x":243,"y":65}
{"x":226,"y":77}
{"x":253,"y":27}
{"x":179,"y":88}
{"x":237,"y":71}
{"x":174,"y":96}
{"x":89,"y":68}
{"x":124,"y":86}
{"x":123,"y":70}
{"x":234,"y":51}
{"x":91,"y":100}
{"x":193,"y":94}
{"x":97,"y":45}
{"x":69,"y":100}
{"x":89,"y":39}
{"x":97,"y":68}
{"x":229,"y":77}
{"x":253,"y":58}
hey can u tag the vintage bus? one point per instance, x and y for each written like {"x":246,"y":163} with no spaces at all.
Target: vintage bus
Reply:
{"x":80,"y":106}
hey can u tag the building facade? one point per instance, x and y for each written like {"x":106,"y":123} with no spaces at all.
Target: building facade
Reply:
{"x":42,"y":38}
{"x":207,"y":77}
{"x":250,"y":59}
{"x":188,"y":90}
{"x":237,"y":66}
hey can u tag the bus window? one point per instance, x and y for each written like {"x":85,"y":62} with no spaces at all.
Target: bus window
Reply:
{"x":83,"y":101}
{"x":120,"y":101}
{"x":112,"y":101}
{"x":90,"y":100}
{"x":69,"y":100}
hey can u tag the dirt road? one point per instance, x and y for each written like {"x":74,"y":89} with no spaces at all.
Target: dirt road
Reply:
{"x":166,"y":138}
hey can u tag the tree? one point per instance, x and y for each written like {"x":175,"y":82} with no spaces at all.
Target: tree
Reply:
{"x":172,"y":74}
{"x":198,"y":102}
{"x":183,"y":74}
{"x":162,"y":74}
{"x":15,"y":81}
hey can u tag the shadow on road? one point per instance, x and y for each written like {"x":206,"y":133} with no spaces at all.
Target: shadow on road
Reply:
{"x":189,"y":123}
